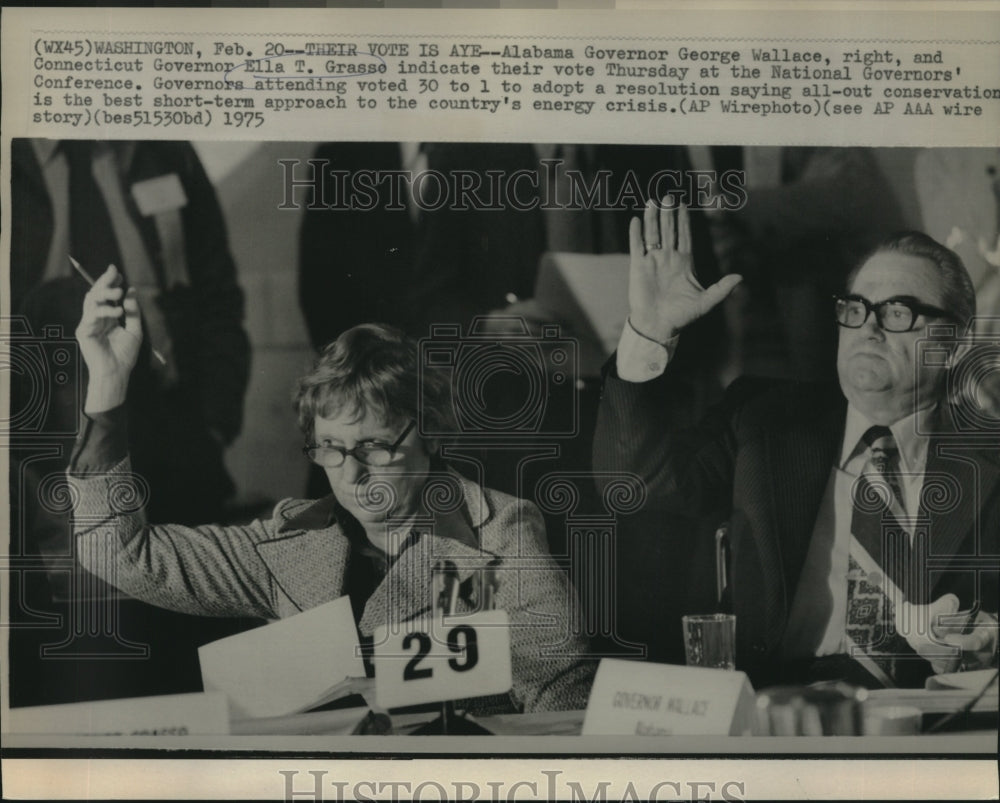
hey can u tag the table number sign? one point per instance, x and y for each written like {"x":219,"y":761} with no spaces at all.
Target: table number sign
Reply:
{"x":646,"y":699}
{"x":439,"y":659}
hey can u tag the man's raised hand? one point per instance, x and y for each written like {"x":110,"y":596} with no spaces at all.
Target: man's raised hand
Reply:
{"x":664,"y":295}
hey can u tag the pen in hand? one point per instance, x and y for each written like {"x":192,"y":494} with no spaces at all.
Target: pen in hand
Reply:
{"x":970,"y":620}
{"x":967,"y":627}
{"x":86,"y":277}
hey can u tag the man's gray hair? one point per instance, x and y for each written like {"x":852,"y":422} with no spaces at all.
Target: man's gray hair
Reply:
{"x":959,"y":295}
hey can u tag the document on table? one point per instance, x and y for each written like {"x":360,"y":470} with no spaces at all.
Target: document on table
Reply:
{"x":164,"y":715}
{"x":286,"y":666}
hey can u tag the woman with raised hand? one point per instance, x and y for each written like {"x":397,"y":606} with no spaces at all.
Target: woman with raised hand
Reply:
{"x":396,"y":510}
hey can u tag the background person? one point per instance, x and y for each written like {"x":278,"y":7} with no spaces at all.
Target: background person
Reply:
{"x":414,"y":257}
{"x":150,"y":209}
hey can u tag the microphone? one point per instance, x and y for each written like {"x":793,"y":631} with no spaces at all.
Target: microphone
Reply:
{"x":446,"y":574}
{"x":491,"y":584}
{"x":447,"y":585}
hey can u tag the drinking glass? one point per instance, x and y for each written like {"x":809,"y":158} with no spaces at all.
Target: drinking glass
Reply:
{"x":710,"y":640}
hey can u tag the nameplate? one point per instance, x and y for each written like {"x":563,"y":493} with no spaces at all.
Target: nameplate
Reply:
{"x":166,"y":715}
{"x":161,"y":194}
{"x":286,"y":666}
{"x":645,"y":699}
{"x":433,"y":659}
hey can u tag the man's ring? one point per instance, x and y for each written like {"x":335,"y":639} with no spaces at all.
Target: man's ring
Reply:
{"x":652,"y":246}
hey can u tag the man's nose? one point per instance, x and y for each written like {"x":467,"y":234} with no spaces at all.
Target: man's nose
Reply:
{"x":872,"y":329}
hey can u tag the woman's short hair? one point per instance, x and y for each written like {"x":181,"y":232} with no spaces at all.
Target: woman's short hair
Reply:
{"x":374,"y":369}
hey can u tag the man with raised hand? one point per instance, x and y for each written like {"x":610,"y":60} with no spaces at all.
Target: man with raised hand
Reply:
{"x":861,"y":519}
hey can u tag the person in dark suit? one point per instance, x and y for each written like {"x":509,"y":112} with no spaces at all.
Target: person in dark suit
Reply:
{"x":150,"y":209}
{"x":861,"y":518}
{"x":353,"y":261}
{"x":164,"y":228}
{"x":413,"y":257}
{"x":467,"y":261}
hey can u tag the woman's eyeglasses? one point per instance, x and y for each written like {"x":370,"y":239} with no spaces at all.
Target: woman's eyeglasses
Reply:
{"x":369,"y":453}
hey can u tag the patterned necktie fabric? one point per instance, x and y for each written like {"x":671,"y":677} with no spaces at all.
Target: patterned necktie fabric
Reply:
{"x":884,"y":457}
{"x":880,"y":543}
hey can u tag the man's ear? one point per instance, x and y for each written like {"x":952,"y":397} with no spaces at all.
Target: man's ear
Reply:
{"x":432,"y":446}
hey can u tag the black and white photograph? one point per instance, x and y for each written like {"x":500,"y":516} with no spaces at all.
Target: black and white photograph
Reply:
{"x":609,"y":448}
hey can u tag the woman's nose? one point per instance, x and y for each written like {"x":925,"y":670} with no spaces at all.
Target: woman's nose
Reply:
{"x":353,"y":470}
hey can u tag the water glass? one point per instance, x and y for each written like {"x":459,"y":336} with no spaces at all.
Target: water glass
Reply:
{"x":710,"y":640}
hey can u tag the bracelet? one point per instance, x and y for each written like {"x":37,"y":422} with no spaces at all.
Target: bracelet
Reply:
{"x":670,"y":340}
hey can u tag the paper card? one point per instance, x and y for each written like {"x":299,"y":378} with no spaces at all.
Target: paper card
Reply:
{"x":285,"y":666}
{"x":975,"y":680}
{"x":160,"y":194}
{"x":589,"y":294}
{"x":432,"y":660}
{"x":166,"y":715}
{"x":646,"y":699}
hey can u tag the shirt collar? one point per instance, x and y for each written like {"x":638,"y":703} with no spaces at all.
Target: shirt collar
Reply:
{"x":910,"y":434}
{"x":45,"y":149}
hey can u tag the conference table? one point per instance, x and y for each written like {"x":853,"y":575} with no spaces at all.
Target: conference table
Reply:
{"x":558,"y":732}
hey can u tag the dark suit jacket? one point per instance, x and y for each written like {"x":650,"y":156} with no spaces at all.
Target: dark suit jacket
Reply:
{"x":762,"y":460}
{"x":175,"y":430}
{"x":359,"y":265}
{"x":205,"y":319}
{"x":352,"y":262}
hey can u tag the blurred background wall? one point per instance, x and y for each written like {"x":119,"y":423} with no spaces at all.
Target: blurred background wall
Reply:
{"x":265,"y":461}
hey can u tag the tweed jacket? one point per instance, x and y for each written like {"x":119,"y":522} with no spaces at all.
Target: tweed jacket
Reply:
{"x":761,"y":460}
{"x":300,"y":557}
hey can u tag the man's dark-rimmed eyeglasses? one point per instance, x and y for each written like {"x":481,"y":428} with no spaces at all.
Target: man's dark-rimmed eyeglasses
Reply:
{"x":368,"y":453}
{"x":892,"y":315}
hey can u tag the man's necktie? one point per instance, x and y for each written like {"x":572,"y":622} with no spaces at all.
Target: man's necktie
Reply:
{"x":876,"y":530}
{"x":92,"y":237}
{"x":95,"y":244}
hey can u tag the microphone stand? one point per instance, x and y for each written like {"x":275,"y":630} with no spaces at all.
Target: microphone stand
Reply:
{"x":448,"y":722}
{"x":447,"y":603}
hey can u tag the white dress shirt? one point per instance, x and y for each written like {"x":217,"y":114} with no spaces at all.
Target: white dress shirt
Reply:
{"x":640,"y":359}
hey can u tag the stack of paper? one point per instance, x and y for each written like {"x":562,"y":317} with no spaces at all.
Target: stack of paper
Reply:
{"x":287,"y":666}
